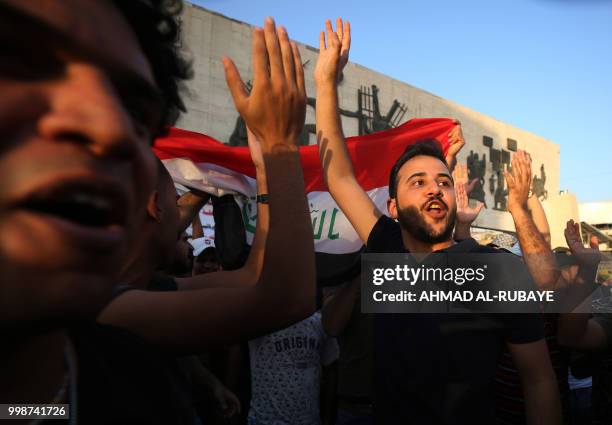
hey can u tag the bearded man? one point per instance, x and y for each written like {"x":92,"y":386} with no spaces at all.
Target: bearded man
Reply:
{"x":434,"y":368}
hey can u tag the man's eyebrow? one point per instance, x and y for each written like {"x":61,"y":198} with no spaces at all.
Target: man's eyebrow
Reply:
{"x":130,"y":82}
{"x":18,"y":18}
{"x":420,"y":174}
{"x":124,"y":77}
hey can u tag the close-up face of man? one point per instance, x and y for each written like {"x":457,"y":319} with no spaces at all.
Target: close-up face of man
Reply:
{"x":78,"y":112}
{"x":425,"y":201}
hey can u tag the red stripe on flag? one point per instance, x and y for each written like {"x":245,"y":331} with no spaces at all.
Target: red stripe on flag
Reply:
{"x":373,"y":155}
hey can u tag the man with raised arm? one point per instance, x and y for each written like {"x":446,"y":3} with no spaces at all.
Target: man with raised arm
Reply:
{"x":338,"y":169}
{"x":533,"y":247}
{"x":259,"y":294}
{"x":429,"y":369}
{"x":530,"y":222}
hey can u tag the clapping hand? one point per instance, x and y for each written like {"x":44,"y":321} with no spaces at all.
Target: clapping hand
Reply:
{"x":590,"y":256}
{"x":519,"y":181}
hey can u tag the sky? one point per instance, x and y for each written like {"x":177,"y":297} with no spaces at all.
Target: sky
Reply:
{"x":540,"y":65}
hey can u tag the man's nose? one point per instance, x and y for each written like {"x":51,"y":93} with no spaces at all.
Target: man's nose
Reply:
{"x":85,"y":108}
{"x":434,"y":190}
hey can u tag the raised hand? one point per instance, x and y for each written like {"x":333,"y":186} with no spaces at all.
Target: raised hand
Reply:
{"x":465,"y":214}
{"x":344,"y":34}
{"x":276,"y":107}
{"x":519,"y":182}
{"x":334,"y":50}
{"x":586,"y":256}
{"x":456,"y":143}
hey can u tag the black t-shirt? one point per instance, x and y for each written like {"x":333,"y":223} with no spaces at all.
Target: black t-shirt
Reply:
{"x":356,"y":358}
{"x":122,"y":379}
{"x":440,"y":368}
{"x":162,"y":283}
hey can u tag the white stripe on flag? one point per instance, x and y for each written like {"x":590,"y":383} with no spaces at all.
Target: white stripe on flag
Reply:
{"x":332,"y":232}
{"x":209,"y":178}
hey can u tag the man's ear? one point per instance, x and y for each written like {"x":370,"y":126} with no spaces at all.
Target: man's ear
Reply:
{"x":153,"y":209}
{"x":392,"y":208}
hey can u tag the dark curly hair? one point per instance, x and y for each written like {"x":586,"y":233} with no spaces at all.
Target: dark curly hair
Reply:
{"x":157,"y":27}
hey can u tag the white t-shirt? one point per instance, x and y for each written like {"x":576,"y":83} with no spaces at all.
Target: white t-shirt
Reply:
{"x":286,"y":373}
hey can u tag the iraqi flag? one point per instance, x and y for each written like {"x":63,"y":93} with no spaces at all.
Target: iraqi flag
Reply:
{"x":201,"y":162}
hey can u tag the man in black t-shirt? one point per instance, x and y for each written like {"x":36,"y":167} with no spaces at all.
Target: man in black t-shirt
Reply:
{"x":439,"y":369}
{"x":429,"y":369}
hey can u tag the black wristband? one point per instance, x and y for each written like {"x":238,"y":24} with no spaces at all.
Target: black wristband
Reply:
{"x":262,"y":198}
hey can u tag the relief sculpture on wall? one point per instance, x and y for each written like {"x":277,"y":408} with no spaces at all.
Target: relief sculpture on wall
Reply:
{"x":499,"y":159}
{"x":368,"y":115}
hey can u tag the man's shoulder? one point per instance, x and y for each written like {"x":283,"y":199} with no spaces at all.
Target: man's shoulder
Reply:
{"x":312,"y":325}
{"x":385,"y":236}
{"x":503,"y":257}
{"x":471,"y":245}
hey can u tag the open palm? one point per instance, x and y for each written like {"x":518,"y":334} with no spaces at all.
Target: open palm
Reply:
{"x":465,"y":213}
{"x":587,"y":256}
{"x":334,"y":50}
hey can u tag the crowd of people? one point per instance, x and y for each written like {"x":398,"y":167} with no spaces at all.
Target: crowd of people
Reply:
{"x":104,"y":307}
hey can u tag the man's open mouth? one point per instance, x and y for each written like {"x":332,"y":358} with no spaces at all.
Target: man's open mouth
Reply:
{"x":435,"y":208}
{"x":85,"y":204}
